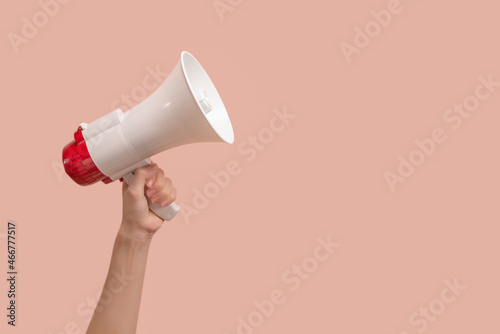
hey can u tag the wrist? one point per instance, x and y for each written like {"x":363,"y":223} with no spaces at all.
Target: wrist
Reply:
{"x":133,"y":234}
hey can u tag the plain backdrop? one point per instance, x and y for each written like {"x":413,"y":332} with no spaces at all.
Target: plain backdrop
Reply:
{"x":351,"y":121}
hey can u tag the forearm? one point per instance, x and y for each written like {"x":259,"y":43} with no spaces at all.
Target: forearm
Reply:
{"x":118,"y":308}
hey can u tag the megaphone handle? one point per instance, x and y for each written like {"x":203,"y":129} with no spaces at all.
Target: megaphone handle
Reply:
{"x":166,"y":212}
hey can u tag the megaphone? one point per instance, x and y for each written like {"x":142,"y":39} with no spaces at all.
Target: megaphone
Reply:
{"x":186,"y":108}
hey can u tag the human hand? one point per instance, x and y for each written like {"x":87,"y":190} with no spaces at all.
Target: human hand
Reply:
{"x":138,"y":221}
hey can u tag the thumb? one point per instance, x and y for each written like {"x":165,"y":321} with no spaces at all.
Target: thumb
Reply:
{"x":141,"y":176}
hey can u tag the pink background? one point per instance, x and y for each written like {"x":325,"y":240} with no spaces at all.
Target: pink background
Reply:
{"x":323,"y":174}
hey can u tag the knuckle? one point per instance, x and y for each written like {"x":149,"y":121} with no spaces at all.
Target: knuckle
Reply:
{"x":168,"y":182}
{"x":160,"y":173}
{"x":171,"y":198}
{"x":173,"y":194}
{"x":160,"y":183}
{"x":164,"y":193}
{"x":168,"y":197}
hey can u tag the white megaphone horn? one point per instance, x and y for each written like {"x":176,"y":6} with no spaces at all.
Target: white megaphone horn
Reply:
{"x":186,"y":108}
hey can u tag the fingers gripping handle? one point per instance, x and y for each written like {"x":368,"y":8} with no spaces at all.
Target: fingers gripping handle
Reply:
{"x":166,"y":212}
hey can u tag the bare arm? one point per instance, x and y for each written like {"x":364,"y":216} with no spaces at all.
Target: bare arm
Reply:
{"x":118,"y":308}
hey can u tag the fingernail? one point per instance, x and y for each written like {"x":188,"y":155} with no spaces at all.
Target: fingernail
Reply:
{"x":164,"y":203}
{"x":150,"y":182}
{"x":151,"y":192}
{"x":155,"y":199}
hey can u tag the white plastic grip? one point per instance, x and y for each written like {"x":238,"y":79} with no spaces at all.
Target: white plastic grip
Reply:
{"x":166,"y":212}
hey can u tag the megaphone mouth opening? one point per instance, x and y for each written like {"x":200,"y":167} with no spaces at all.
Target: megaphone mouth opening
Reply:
{"x":207,"y":97}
